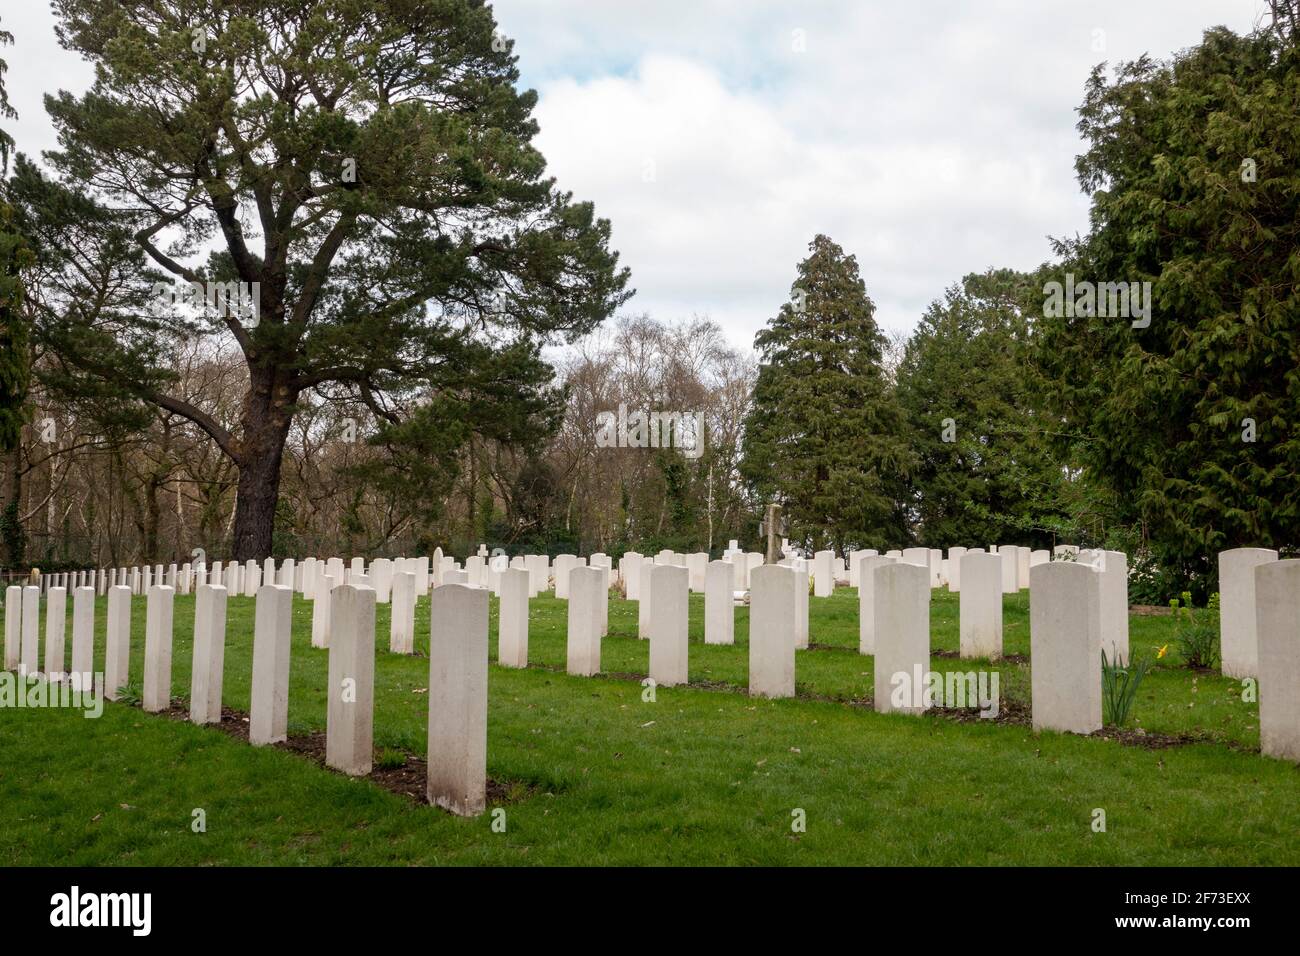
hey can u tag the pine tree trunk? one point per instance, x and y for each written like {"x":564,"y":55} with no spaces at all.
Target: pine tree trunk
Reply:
{"x":266,"y":429}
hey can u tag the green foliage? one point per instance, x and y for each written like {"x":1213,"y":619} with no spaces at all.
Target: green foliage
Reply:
{"x":987,"y":469}
{"x":411,"y":253}
{"x":6,"y":110}
{"x":824,"y":436}
{"x":15,"y":352}
{"x":1163,"y":415}
{"x":12,"y":536}
{"x":1119,"y":686}
{"x":1198,"y":631}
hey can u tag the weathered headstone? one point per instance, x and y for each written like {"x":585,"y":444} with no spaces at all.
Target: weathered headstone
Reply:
{"x":401,"y":628}
{"x":350,"y":706}
{"x":458,"y":659}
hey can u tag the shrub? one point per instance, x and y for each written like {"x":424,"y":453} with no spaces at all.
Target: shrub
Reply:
{"x":1198,"y":631}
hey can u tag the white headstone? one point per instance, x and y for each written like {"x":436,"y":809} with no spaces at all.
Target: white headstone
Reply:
{"x":208,"y":673}
{"x":512,"y":636}
{"x":83,"y":639}
{"x":980,"y":612}
{"x":1065,"y":647}
{"x":1277,"y":628}
{"x":117,"y":644}
{"x":584,"y":621}
{"x":157,"y":694}
{"x":867,"y":601}
{"x":719,"y":607}
{"x":268,"y":712}
{"x":56,"y":622}
{"x":401,"y":628}
{"x":902,"y":615}
{"x":668,"y":625}
{"x":458,"y":660}
{"x":350,"y":694}
{"x":30,"y":662}
{"x":772,"y":632}
{"x":1237,"y":637}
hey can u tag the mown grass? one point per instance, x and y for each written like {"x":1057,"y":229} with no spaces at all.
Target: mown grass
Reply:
{"x":701,"y":775}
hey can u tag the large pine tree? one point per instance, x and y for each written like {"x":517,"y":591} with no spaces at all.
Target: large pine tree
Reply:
{"x":824,"y":437}
{"x":368,"y":167}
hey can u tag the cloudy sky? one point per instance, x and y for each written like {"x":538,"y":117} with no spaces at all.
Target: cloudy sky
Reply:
{"x":719,"y":136}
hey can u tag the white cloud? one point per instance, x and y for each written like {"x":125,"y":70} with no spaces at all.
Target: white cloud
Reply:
{"x":931,"y":140}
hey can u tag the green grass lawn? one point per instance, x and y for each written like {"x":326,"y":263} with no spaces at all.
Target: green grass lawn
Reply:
{"x":701,"y":775}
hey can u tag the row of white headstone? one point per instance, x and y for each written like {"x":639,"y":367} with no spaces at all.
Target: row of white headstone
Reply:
{"x":458,"y":657}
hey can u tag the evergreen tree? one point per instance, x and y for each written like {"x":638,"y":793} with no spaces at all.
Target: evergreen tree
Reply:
{"x":824,"y":437}
{"x":367,"y":166}
{"x":987,"y":470}
{"x":15,"y":354}
{"x":1192,"y":421}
